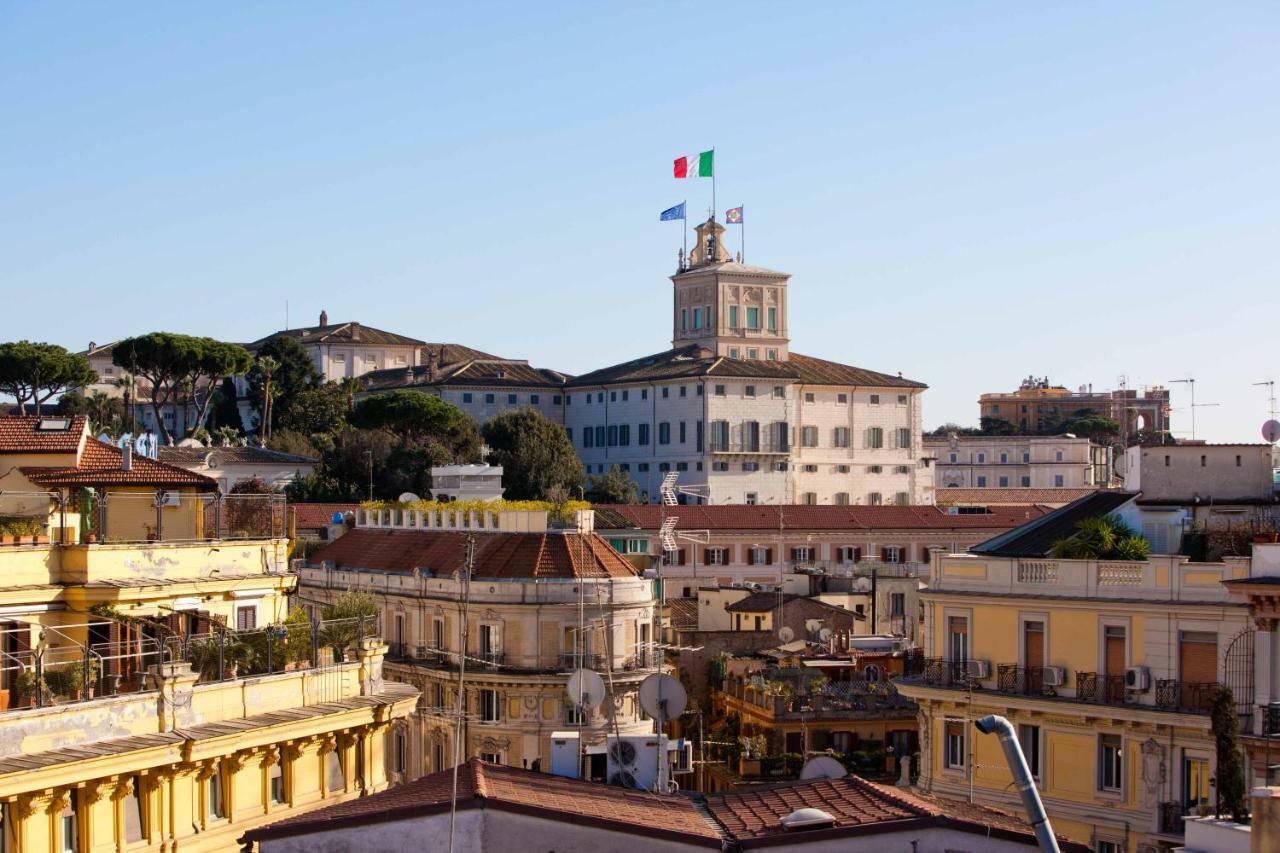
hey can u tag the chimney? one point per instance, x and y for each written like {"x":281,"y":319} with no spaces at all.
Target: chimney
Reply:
{"x":324,"y":317}
{"x":93,"y":345}
{"x":126,"y":456}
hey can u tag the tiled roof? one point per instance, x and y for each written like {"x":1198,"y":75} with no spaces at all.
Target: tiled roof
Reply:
{"x":498,"y":555}
{"x":739,"y":818}
{"x":992,"y":497}
{"x":694,"y":360}
{"x":806,"y":517}
{"x":1036,"y":538}
{"x":312,"y":516}
{"x":858,"y":806}
{"x":732,"y":268}
{"x":99,"y":465}
{"x":759,"y":602}
{"x":184,"y":456}
{"x":682,"y":613}
{"x":451,"y":353}
{"x":21,"y":434}
{"x":337,"y":333}
{"x":492,"y":786}
{"x":491,"y":372}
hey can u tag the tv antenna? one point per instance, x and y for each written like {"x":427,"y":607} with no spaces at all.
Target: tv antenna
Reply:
{"x":1271,"y":396}
{"x":1194,"y":405}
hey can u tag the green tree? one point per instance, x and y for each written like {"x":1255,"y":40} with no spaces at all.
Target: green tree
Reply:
{"x":349,"y":385}
{"x":265,"y":369}
{"x":1225,"y":725}
{"x":950,"y":427}
{"x":1102,"y":537}
{"x":994,"y":426}
{"x":294,"y":371}
{"x":535,"y":454}
{"x":225,"y":411}
{"x":170,"y":362}
{"x":106,"y":414}
{"x":1096,"y":428}
{"x":314,"y":410}
{"x":33,"y":372}
{"x":346,"y":618}
{"x":420,"y":416}
{"x":289,"y":441}
{"x":614,"y":487}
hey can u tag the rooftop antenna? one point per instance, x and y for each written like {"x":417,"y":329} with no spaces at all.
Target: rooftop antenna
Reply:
{"x":1194,"y":404}
{"x":1271,"y":396}
{"x":462,"y":675}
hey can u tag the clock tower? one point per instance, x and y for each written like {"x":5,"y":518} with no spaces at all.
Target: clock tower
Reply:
{"x":731,"y":308}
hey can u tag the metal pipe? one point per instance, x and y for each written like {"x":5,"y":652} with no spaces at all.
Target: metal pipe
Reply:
{"x":999,"y":726}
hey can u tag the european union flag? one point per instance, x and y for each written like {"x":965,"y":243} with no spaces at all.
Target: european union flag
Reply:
{"x":676,"y":212}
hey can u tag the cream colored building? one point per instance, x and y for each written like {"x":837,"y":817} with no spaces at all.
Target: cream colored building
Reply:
{"x":541,"y":603}
{"x":1018,"y":462}
{"x":350,"y":349}
{"x":150,"y":697}
{"x":1106,"y":669}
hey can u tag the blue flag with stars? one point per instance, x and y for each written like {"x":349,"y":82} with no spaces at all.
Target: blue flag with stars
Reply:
{"x":676,"y":212}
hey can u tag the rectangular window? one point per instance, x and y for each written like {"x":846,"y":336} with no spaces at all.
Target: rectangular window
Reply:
{"x":613,"y":435}
{"x":750,"y":499}
{"x":697,"y":318}
{"x":132,"y":804}
{"x":587,"y":436}
{"x":684,"y":319}
{"x":399,"y":751}
{"x":875,"y":399}
{"x":568,"y":432}
{"x":1196,"y":790}
{"x":780,"y":392}
{"x":842,"y":398}
{"x":982,"y":482}
{"x":982,"y":458}
{"x":808,"y":397}
{"x":642,"y":434}
{"x":874,"y":499}
{"x":750,"y":466}
{"x":733,"y":316}
{"x":664,"y":433}
{"x":534,"y":399}
{"x":749,"y":391}
{"x":626,"y":394}
{"x":720,"y":435}
{"x":684,"y":391}
{"x":902,"y":399}
{"x":897,"y":604}
{"x":555,"y":399}
{"x":1004,"y":458}
{"x":275,"y":778}
{"x":466,"y":397}
{"x":489,"y":706}
{"x":781,"y":436}
{"x":699,"y":437}
{"x":682,"y":466}
{"x":666,"y":392}
{"x":809,"y":436}
{"x":875,"y":437}
{"x":642,"y":467}
{"x":751,"y":436}
{"x":600,"y":436}
{"x":734,"y":352}
{"x":69,"y":826}
{"x":335,"y":776}
{"x":624,"y":435}
{"x":489,"y":398}
{"x":217,"y":802}
{"x":841,"y":499}
{"x":753,"y":318}
{"x":902,"y":499}
{"x":247,"y":618}
{"x":1057,"y":480}
{"x":511,"y":399}
{"x":904,"y":438}
{"x":957,"y":638}
{"x":706,"y":316}
{"x":719,"y":391}
{"x":773,"y":319}
{"x":1110,"y":762}
{"x":953,"y":746}
{"x":1026,"y":482}
{"x":771,"y":354}
{"x":1003,"y":481}
{"x":1057,"y":456}
{"x":682,"y":432}
{"x":1029,"y":738}
{"x":841,"y":437}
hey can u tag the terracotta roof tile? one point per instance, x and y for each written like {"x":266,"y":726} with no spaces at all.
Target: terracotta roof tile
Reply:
{"x":100,"y":465}
{"x":339,"y":333}
{"x":498,"y":555}
{"x":312,"y":516}
{"x":496,"y":373}
{"x":21,"y":434}
{"x":806,"y":517}
{"x":183,"y":456}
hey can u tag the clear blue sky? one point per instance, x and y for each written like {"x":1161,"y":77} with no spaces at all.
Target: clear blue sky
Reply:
{"x":967,"y":193}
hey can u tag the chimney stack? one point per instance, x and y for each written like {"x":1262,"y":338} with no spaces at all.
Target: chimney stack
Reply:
{"x":324,"y":317}
{"x":126,"y":456}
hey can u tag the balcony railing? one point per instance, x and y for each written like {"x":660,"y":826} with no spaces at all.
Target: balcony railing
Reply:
{"x":1024,"y":680}
{"x":1271,"y":720}
{"x":1192,"y":696}
{"x":1171,"y":815}
{"x":1100,"y":687}
{"x":940,"y":672}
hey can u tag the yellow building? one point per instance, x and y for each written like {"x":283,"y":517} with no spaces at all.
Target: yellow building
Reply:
{"x":133,"y":715}
{"x":1107,"y":670}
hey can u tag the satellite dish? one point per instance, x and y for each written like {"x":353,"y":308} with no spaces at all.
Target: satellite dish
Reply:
{"x":862,"y":585}
{"x":823,"y":767}
{"x":1271,"y":431}
{"x":408,"y":498}
{"x":786,"y":634}
{"x":662,"y":696}
{"x":585,"y":688}
{"x":824,"y":634}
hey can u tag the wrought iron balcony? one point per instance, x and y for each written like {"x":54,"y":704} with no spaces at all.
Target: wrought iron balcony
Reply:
{"x":1024,"y":680}
{"x":1100,"y":687}
{"x":941,"y":672}
{"x":1171,"y":815}
{"x":1271,"y":720}
{"x":1195,"y":697}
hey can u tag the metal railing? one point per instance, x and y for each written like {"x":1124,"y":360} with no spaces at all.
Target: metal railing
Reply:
{"x":1195,"y":697}
{"x":942,"y":672}
{"x":117,"y":655}
{"x":1101,"y":687}
{"x":1170,"y":816}
{"x":1023,"y":680}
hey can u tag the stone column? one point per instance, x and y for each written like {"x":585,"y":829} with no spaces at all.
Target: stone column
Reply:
{"x":175,"y":682}
{"x":371,"y":652}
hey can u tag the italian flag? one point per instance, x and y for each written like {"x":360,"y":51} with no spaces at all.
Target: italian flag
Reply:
{"x":697,"y":166}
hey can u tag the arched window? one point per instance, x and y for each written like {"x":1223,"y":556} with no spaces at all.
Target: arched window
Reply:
{"x":872,"y":672}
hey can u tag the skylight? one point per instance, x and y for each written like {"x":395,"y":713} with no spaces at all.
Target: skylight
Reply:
{"x":53,"y":425}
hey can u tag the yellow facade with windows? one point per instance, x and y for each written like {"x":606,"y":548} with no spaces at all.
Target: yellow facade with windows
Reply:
{"x":1107,"y":671}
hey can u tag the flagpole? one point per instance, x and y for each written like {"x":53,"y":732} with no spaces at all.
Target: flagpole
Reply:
{"x":743,"y":233}
{"x":713,"y":184}
{"x":684,"y":227}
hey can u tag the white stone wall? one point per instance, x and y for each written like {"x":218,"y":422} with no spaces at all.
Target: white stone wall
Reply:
{"x":1030,"y":462}
{"x":484,"y":404}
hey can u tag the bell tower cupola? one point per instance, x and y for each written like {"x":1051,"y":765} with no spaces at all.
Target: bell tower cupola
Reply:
{"x":731,"y":308}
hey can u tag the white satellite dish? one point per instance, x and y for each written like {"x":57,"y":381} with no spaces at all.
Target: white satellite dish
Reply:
{"x":823,"y":767}
{"x":786,"y":634}
{"x":408,"y":498}
{"x":824,"y":634}
{"x":663,"y":697}
{"x":1271,"y":431}
{"x":585,"y":689}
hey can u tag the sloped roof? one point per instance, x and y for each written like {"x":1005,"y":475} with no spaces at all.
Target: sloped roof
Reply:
{"x":804,"y":516}
{"x":100,"y":465}
{"x":446,"y":353}
{"x":502,"y":373}
{"x":731,"y":268}
{"x":742,"y":818}
{"x":1036,"y":538}
{"x":339,"y":333}
{"x":682,"y":613}
{"x":183,"y":456}
{"x":1019,"y":496}
{"x":22,"y":434}
{"x":498,"y":555}
{"x":695,"y":360}
{"x":312,"y":516}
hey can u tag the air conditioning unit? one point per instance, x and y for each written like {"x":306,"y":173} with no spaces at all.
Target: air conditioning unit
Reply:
{"x":978,"y":669}
{"x":1053,"y":676}
{"x":1137,"y":678}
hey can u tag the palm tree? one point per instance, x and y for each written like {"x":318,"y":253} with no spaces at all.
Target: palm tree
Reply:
{"x":267,"y":366}
{"x":349,"y":385}
{"x":126,"y":383}
{"x":188,"y":388}
{"x":99,"y":409}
